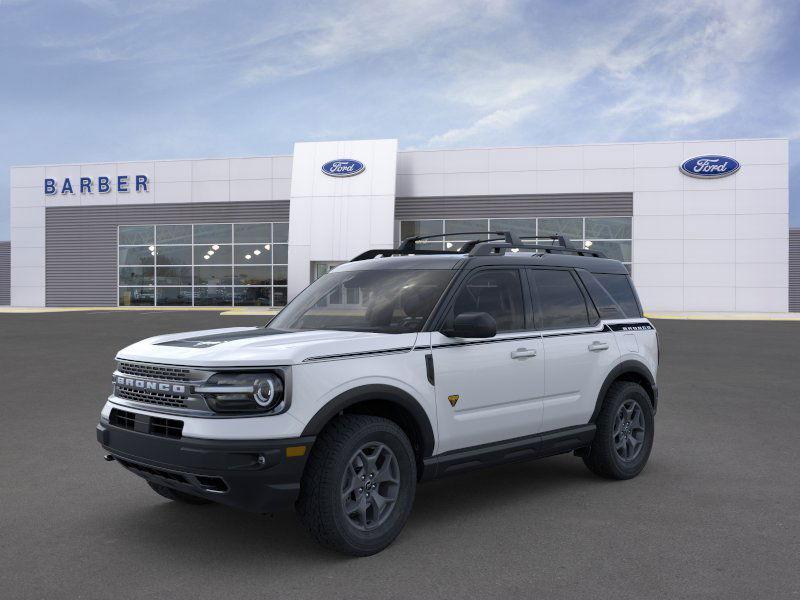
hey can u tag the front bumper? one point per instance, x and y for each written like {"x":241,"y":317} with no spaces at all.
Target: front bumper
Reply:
{"x":254,"y":475}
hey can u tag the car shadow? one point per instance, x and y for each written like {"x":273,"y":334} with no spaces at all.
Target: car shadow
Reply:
{"x":234,"y":537}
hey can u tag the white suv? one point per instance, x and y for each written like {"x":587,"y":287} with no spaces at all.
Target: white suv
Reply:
{"x":400,"y":366}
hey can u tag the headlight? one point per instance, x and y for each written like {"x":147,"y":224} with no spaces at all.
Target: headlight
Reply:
{"x":243,"y":392}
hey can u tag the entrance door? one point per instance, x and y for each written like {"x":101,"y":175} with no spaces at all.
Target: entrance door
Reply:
{"x":489,"y":390}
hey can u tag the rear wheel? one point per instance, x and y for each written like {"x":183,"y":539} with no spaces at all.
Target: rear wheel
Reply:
{"x":359,"y":485}
{"x":176,"y":495}
{"x":624,"y":435}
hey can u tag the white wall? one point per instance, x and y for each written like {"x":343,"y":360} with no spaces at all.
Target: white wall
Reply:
{"x":335,"y":218}
{"x":712,"y":244}
{"x":170,"y":181}
{"x":718,"y":244}
{"x":698,"y":244}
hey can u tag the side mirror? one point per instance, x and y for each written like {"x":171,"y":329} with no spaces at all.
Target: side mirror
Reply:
{"x":473,"y":325}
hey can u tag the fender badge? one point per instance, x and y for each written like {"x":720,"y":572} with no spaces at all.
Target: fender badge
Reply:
{"x":453,"y":399}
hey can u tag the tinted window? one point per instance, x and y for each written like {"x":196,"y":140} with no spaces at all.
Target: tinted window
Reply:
{"x":608,"y":307}
{"x":560,"y":299}
{"x":496,"y":292}
{"x":619,"y":287}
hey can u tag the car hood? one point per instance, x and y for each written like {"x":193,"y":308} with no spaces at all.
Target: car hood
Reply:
{"x":257,"y":346}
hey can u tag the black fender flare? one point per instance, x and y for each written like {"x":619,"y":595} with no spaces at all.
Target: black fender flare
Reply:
{"x":623,"y":368}
{"x":386,"y":393}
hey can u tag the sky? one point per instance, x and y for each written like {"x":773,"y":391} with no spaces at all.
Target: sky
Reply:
{"x":96,"y":80}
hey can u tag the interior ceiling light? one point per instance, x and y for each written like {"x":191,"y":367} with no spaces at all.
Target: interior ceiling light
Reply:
{"x":247,"y":256}
{"x":449,"y":244}
{"x":206,"y":257}
{"x":587,"y":244}
{"x":151,"y":248}
{"x":266,"y":246}
{"x":215,"y":247}
{"x":256,"y":252}
{"x":211,"y":253}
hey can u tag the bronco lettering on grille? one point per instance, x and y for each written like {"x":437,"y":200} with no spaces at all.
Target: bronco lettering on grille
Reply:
{"x":154,"y":386}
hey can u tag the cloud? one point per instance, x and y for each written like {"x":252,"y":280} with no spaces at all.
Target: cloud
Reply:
{"x":499,"y":119}
{"x":671,"y":65}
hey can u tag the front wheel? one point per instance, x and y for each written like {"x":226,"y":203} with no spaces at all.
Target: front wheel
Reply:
{"x":359,"y":485}
{"x":624,"y":437}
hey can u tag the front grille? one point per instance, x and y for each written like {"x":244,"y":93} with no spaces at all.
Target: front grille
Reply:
{"x":122,"y":418}
{"x":150,"y":397}
{"x":170,"y":428}
{"x":163,"y":372}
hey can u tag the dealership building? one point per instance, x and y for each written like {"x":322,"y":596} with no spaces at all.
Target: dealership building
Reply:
{"x":701,"y":225}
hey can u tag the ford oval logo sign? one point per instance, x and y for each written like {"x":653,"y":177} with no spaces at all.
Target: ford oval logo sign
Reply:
{"x":343,"y":167}
{"x":712,"y":165}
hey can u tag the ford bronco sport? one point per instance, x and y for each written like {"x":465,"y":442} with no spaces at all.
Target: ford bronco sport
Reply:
{"x":400,"y":366}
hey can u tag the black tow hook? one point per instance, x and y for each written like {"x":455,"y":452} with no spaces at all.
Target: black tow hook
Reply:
{"x":108,"y":457}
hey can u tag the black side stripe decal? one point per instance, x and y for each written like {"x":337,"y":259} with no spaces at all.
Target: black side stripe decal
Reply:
{"x":357,"y":354}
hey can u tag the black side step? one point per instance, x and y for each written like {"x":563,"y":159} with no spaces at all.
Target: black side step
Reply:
{"x":530,"y":447}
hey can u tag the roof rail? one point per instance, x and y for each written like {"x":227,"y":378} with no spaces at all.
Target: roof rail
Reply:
{"x":563,"y":247}
{"x":482,"y":247}
{"x":409,"y":244}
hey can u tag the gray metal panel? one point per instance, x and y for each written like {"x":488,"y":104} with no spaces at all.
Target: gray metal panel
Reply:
{"x":544,"y":205}
{"x":5,"y":273}
{"x":794,"y":270}
{"x":82,"y":241}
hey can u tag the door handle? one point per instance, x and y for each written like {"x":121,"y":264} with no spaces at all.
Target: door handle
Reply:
{"x":523,"y":353}
{"x":597,"y":346}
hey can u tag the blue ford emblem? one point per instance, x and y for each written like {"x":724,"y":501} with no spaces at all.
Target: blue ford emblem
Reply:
{"x":343,"y":167}
{"x":710,"y":166}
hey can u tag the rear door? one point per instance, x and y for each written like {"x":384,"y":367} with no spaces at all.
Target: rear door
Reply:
{"x":578,"y":350}
{"x":488,"y":390}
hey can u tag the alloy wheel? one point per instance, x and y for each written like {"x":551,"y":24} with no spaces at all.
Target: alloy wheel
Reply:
{"x":370,"y":486}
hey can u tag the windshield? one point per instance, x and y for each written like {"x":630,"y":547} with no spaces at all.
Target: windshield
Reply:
{"x":390,"y":301}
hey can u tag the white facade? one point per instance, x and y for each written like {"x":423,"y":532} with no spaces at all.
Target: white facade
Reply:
{"x":698,"y":244}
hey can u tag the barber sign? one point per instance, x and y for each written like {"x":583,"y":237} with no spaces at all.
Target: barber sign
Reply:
{"x":710,"y":166}
{"x":343,"y":167}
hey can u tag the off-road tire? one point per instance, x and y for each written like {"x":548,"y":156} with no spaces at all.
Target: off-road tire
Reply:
{"x":320,"y":504}
{"x":176,"y":495}
{"x":602,"y":457}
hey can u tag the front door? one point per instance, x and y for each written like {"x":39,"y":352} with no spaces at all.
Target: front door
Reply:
{"x":489,"y":390}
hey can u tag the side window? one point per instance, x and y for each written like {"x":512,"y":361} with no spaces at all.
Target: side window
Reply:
{"x":560,"y":300}
{"x":606,"y":305}
{"x":497,"y":292}
{"x":619,"y":287}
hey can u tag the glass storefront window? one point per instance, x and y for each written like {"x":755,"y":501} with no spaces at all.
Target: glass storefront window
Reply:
{"x":135,"y":235}
{"x":174,"y":296}
{"x":610,"y":235}
{"x":136,"y":275}
{"x":136,"y":296}
{"x":206,"y":264}
{"x":608,"y":228}
{"x":255,"y":233}
{"x":572,"y":228}
{"x":173,"y":234}
{"x":524,"y":228}
{"x":212,"y":234}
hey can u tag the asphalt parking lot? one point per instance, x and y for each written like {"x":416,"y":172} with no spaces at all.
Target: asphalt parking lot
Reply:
{"x":716,"y":514}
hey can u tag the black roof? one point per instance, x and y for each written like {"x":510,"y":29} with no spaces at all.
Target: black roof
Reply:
{"x":454,"y":260}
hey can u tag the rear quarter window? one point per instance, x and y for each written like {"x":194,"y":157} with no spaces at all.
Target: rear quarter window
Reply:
{"x":619,"y":288}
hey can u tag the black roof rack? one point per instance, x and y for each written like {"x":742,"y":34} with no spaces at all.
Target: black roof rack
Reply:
{"x":482,"y":247}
